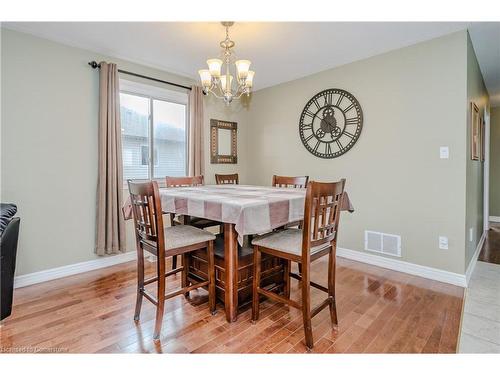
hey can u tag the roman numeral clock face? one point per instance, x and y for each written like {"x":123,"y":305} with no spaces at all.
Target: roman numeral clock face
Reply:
{"x":330,"y":123}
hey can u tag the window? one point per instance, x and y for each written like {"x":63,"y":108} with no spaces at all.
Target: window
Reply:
{"x":154,"y":131}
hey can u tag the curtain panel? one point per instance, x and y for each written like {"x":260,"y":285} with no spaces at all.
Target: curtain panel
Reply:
{"x":196,"y":157}
{"x":110,"y":231}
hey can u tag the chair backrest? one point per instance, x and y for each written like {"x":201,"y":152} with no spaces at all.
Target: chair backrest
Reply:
{"x":146,"y":203}
{"x":184,"y":181}
{"x":222,"y":179}
{"x":294,"y":182}
{"x":321,"y":213}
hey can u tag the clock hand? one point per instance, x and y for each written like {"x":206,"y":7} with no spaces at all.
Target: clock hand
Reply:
{"x":316,"y":115}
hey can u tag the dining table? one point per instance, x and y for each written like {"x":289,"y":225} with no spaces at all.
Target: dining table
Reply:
{"x":243,"y":210}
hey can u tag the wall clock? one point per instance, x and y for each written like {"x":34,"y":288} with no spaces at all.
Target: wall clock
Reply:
{"x":330,"y":123}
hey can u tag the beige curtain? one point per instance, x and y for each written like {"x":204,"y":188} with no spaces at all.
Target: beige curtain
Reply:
{"x":110,"y":238}
{"x":196,"y":160}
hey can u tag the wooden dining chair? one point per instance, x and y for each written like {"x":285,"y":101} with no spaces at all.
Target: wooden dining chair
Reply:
{"x":153,"y":237}
{"x":317,"y":239}
{"x":224,"y":179}
{"x":292,"y":182}
{"x":184,"y":181}
{"x":172,"y":182}
{"x":197,"y":222}
{"x":297,"y":182}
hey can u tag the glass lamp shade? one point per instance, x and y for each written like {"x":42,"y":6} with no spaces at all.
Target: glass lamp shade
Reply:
{"x":249,"y":80}
{"x":223,"y":83}
{"x":214,"y":66}
{"x":242,"y":66}
{"x":206,"y":78}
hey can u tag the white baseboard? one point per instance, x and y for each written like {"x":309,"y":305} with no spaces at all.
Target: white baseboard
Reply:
{"x":473,"y":261}
{"x":402,"y":266}
{"x":495,"y":219}
{"x":393,"y":264}
{"x":72,"y":269}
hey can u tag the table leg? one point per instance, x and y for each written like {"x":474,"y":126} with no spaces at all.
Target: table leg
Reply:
{"x":231,"y":282}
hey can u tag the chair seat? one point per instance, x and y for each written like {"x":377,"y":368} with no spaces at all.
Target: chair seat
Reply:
{"x":183,"y":235}
{"x":287,"y":241}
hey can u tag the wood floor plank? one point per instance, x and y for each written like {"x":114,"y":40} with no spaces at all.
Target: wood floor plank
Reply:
{"x":379,"y":310}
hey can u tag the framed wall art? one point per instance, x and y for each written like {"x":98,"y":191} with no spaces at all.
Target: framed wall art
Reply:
{"x":475,"y":133}
{"x":223,"y":142}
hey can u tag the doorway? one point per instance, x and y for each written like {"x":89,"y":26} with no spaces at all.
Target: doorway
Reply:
{"x":491,"y":249}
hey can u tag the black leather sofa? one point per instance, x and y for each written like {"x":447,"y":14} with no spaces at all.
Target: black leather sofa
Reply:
{"x":9,"y":233}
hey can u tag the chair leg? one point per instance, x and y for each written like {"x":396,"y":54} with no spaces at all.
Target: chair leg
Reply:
{"x":211,"y":278}
{"x":256,"y":283}
{"x":174,"y":258}
{"x":286,"y":276}
{"x":331,"y":287}
{"x":306,"y":304}
{"x":185,"y":271}
{"x":160,"y":269}
{"x":300,"y":268}
{"x":140,"y":282}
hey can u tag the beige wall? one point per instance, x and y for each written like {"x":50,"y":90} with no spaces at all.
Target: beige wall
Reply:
{"x":49,"y":146}
{"x":476,"y":92}
{"x":495,"y":162}
{"x":216,"y":109}
{"x":413,"y":103}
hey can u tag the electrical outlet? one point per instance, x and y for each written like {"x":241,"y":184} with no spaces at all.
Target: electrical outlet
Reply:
{"x":444,"y":152}
{"x":443,"y":243}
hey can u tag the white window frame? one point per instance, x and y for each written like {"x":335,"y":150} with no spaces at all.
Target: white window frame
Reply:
{"x":151,"y":93}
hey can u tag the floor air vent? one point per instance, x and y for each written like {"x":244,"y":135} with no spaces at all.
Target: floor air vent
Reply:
{"x":383,"y":243}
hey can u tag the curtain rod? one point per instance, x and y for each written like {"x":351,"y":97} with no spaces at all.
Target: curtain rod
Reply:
{"x":95,"y":65}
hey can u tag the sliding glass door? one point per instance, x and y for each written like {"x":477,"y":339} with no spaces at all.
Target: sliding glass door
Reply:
{"x":154,"y":134}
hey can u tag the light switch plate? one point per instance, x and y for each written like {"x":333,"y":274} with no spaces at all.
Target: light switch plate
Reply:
{"x":444,"y":152}
{"x":471,"y":234}
{"x":443,"y":243}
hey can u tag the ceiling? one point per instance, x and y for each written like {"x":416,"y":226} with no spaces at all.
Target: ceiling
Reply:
{"x":279,"y":52}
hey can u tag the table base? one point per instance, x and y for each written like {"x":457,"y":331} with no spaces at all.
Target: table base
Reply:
{"x":272,"y":275}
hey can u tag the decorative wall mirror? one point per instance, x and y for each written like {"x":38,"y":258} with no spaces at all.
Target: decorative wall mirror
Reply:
{"x":223,"y":142}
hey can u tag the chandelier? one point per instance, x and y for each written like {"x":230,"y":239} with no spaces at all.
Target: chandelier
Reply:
{"x":219,"y":83}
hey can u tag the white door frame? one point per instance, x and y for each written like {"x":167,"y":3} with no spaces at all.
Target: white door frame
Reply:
{"x":486,"y":166}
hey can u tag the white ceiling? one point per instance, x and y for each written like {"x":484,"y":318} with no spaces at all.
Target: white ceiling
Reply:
{"x":279,"y":52}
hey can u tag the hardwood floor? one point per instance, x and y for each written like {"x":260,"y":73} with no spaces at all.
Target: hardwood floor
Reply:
{"x":379,"y":311}
{"x":491,"y":249}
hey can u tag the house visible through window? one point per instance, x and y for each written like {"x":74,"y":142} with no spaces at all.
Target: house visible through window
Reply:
{"x":145,"y":155}
{"x":154,"y":131}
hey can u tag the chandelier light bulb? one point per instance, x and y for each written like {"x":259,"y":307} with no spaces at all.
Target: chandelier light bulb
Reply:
{"x":205,"y":77}
{"x":214,"y":66}
{"x":224,"y":84}
{"x":249,"y":79}
{"x":242,"y":66}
